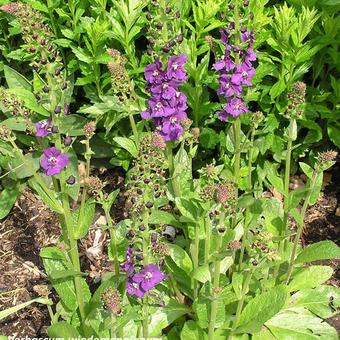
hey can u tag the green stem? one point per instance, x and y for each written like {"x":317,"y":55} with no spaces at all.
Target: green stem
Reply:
{"x":73,"y":251}
{"x":195,"y":258}
{"x":216,"y":284}
{"x":216,"y":279}
{"x":134,"y":128}
{"x":286,"y":194}
{"x":87,"y":175}
{"x":207,"y":240}
{"x":300,"y":227}
{"x":146,"y":241}
{"x":250,"y":159}
{"x":113,"y":242}
{"x":240,"y":304}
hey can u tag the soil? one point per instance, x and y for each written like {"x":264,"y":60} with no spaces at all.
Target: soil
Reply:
{"x":31,"y":226}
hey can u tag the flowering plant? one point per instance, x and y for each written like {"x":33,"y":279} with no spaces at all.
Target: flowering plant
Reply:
{"x":200,"y":232}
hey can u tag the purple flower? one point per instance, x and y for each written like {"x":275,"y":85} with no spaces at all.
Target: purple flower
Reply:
{"x":53,"y":161}
{"x":225,"y":64}
{"x":43,"y":128}
{"x":149,"y":277}
{"x":235,"y":107}
{"x":243,"y":75}
{"x":133,"y":288}
{"x":227,"y":87}
{"x":128,"y":265}
{"x":166,"y":90}
{"x":171,"y":129}
{"x":179,"y":101}
{"x":160,"y":108}
{"x":175,"y":69}
{"x":153,"y":73}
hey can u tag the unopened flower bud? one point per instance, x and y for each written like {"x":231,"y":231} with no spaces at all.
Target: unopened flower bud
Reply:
{"x":67,"y":141}
{"x":57,"y":110}
{"x":89,"y":129}
{"x":112,"y":300}
{"x":71,"y":180}
{"x":327,"y":156}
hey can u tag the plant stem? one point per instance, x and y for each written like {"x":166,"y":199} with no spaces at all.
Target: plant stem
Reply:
{"x":286,"y":194}
{"x":74,"y":254}
{"x":113,"y":242}
{"x":216,"y":283}
{"x":134,"y":128}
{"x":300,"y":227}
{"x":207,"y":240}
{"x":241,"y":301}
{"x":216,"y":279}
{"x":146,"y":240}
{"x":195,"y":258}
{"x":87,"y":175}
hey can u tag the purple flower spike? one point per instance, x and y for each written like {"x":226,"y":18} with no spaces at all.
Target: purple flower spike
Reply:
{"x":175,"y":69}
{"x":149,"y":277}
{"x":53,"y":161}
{"x":43,"y":128}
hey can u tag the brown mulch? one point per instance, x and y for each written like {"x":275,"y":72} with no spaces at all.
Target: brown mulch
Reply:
{"x":31,"y":226}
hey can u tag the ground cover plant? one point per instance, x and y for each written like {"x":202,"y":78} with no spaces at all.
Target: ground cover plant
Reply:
{"x":206,"y":106}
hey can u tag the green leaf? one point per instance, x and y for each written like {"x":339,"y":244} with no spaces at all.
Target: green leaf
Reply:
{"x":21,"y":169}
{"x":277,"y":89}
{"x":180,"y":257}
{"x":12,"y":310}
{"x":47,"y":197}
{"x":182,"y":175}
{"x":82,"y":222}
{"x":127,"y":144}
{"x":324,"y":250}
{"x":202,"y":274}
{"x":290,"y":325}
{"x":15,"y":80}
{"x":309,"y":277}
{"x":8,"y":196}
{"x":308,"y":170}
{"x":164,"y":217}
{"x":191,"y":331}
{"x":163,"y":317}
{"x":260,"y":309}
{"x":62,"y":330}
{"x":73,"y":125}
{"x":322,"y":301}
{"x":55,"y":260}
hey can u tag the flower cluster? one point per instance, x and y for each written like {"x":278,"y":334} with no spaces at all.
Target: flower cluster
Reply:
{"x":236,"y":71}
{"x":145,"y":280}
{"x":121,"y":84}
{"x":11,"y":103}
{"x":167,"y":104}
{"x":296,"y":100}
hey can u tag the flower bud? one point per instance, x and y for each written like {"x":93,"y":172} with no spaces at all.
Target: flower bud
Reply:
{"x":67,"y":141}
{"x":112,"y":300}
{"x":89,"y":129}
{"x":71,"y":180}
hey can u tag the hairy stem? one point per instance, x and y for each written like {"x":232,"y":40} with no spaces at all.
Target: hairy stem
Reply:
{"x":113,"y":242}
